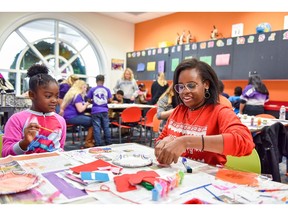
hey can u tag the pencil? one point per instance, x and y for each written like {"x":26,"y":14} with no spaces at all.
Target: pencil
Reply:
{"x":46,"y":128}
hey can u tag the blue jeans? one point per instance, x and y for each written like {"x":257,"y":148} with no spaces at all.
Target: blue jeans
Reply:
{"x":83,"y":120}
{"x":101,"y":121}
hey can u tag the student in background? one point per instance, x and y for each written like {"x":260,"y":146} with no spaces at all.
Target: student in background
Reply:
{"x":100,"y":96}
{"x":165,"y":106}
{"x":235,"y":99}
{"x":74,"y":106}
{"x":221,"y":89}
{"x":142,"y":94}
{"x":158,"y":87}
{"x":254,"y":96}
{"x":116,"y":99}
{"x":200,"y":128}
{"x":128,"y":85}
{"x":38,"y":129}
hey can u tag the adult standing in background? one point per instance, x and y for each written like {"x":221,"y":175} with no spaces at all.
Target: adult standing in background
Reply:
{"x":158,"y":87}
{"x":254,"y":96}
{"x":128,"y":85}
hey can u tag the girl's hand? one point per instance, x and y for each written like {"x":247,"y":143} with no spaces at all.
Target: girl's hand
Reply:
{"x":29,"y":134}
{"x":161,"y":144}
{"x":171,"y":151}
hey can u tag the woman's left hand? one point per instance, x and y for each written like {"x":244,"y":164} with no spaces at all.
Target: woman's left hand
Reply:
{"x":171,"y":152}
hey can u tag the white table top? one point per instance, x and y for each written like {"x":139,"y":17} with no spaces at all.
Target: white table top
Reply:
{"x":202,"y":174}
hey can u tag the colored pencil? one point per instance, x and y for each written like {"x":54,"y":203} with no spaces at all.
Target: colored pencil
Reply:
{"x":46,"y":128}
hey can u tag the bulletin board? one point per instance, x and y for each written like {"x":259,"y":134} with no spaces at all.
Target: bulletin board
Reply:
{"x":231,"y":58}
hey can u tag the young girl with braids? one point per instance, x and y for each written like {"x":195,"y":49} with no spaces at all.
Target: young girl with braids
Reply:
{"x":38,"y":129}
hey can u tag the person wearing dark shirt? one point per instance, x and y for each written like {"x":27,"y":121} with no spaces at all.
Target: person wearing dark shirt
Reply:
{"x":158,"y":87}
{"x":221,"y":89}
{"x":254,"y":96}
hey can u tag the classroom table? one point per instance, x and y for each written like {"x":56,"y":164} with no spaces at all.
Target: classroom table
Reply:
{"x":208,"y":184}
{"x":256,"y":126}
{"x":122,"y":106}
{"x":126,"y":105}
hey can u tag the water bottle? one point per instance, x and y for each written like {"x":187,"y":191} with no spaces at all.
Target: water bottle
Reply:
{"x":282,"y":113}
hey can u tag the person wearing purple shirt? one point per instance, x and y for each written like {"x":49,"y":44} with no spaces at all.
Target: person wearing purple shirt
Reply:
{"x":74,"y":107}
{"x":100,"y":96}
{"x":254,"y":96}
{"x":64,"y":87}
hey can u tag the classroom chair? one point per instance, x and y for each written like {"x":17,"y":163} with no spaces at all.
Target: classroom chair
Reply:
{"x":129,"y":119}
{"x":147,"y":121}
{"x":249,"y":163}
{"x":155,"y":129}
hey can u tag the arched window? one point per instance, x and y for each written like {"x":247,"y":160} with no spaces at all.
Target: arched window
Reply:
{"x":62,"y":47}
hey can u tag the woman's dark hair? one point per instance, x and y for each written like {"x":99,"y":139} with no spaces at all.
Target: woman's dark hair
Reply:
{"x":257,"y":83}
{"x":207,"y":74}
{"x":39,"y":77}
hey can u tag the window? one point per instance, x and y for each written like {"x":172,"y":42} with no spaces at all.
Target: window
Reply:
{"x":63,"y":48}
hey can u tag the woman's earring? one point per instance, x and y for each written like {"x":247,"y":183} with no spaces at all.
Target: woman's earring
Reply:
{"x":207,"y":94}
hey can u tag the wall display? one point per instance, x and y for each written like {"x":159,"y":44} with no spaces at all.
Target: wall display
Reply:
{"x":231,"y":58}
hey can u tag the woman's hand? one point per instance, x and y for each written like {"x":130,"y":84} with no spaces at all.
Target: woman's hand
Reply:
{"x":29,"y":134}
{"x":170,"y":151}
{"x":161,"y":144}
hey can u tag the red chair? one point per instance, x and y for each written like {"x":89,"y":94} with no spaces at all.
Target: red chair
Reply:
{"x":155,"y":129}
{"x":129,"y":119}
{"x":147,"y":122}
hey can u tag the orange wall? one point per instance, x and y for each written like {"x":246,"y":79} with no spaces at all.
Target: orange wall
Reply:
{"x":148,"y":34}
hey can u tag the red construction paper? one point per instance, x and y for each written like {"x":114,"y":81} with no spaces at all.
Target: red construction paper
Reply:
{"x":122,"y":183}
{"x":147,"y":176}
{"x":89,"y":167}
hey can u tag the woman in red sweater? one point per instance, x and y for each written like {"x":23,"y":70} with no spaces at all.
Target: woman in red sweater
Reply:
{"x":200,"y":128}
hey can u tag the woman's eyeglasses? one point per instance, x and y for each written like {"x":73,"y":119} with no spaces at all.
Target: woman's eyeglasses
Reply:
{"x":179,"y":88}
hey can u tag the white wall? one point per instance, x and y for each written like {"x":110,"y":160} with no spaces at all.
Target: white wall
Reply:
{"x":112,"y":37}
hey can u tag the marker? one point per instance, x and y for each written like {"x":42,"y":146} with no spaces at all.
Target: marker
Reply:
{"x":188,"y":168}
{"x":272,"y":190}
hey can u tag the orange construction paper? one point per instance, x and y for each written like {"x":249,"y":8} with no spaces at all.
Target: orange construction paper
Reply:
{"x":238,"y":177}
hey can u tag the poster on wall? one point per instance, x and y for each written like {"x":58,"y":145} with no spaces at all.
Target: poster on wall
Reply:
{"x":237,"y":30}
{"x":117,"y":64}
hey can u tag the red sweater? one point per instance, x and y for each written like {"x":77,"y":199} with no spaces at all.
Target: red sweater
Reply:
{"x":214,"y":120}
